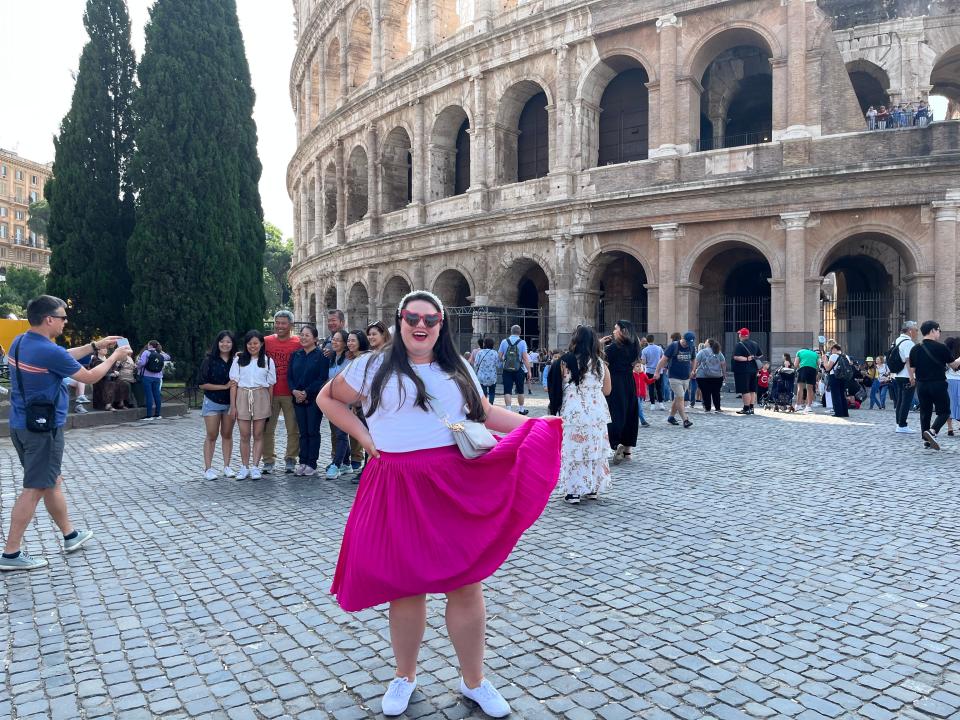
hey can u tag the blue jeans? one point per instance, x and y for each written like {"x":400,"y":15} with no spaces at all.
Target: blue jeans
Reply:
{"x":953,"y":388}
{"x":491,"y":392}
{"x":340,"y":443}
{"x":308,"y":422}
{"x":640,"y":410}
{"x":878,"y":394}
{"x":691,"y":395}
{"x":151,"y":394}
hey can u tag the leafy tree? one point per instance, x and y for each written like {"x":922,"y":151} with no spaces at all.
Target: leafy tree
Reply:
{"x":90,"y":195}
{"x":24,"y":284}
{"x":196,"y":254}
{"x":39,"y":217}
{"x":276,"y":264}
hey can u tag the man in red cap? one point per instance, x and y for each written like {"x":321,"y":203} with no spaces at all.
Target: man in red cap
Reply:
{"x":745,"y":356}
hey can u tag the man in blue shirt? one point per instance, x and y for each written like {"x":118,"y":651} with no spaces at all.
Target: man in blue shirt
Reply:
{"x":678,"y":359}
{"x":516,"y":368}
{"x":651,"y":355}
{"x":37,"y":369}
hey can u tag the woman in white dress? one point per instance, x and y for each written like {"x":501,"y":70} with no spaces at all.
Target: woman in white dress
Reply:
{"x":578,"y":384}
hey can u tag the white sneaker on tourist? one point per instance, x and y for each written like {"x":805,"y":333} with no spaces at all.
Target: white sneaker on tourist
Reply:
{"x":228,"y":472}
{"x":487,"y":697}
{"x":308,"y":471}
{"x":397,"y":697}
{"x":244,"y":473}
{"x":210,"y":474}
{"x":298,"y":470}
{"x":255,"y":473}
{"x":907,"y":430}
{"x":660,"y":406}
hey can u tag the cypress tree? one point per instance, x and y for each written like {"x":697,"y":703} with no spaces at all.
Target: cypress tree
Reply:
{"x":90,"y":196}
{"x":196,"y":254}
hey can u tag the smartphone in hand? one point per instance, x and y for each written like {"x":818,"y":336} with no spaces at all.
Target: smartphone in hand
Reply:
{"x":123,"y":342}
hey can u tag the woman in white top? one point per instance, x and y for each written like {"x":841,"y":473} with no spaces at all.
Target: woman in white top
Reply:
{"x":425,"y":519}
{"x":837,"y":386}
{"x":253,"y":376}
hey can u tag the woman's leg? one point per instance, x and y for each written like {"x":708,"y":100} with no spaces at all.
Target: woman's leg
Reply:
{"x":884,"y":389}
{"x":314,"y":418}
{"x":953,"y":388}
{"x":300,"y":411}
{"x":874,"y":394}
{"x":640,"y":409}
{"x":258,"y":426}
{"x":245,"y":432}
{"x":148,"y":395}
{"x":408,"y":620}
{"x":157,"y":401}
{"x":466,"y":623}
{"x":342,"y":445}
{"x":226,"y":437}
{"x":717,"y":387}
{"x":212,"y":425}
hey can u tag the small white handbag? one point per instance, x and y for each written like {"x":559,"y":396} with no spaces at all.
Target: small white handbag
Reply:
{"x":471,"y":437}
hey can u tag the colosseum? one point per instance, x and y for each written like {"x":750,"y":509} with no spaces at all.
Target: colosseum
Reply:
{"x":699,"y":164}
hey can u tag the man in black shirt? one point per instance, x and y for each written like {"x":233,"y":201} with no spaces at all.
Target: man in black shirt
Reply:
{"x":745,"y":356}
{"x":928,"y":363}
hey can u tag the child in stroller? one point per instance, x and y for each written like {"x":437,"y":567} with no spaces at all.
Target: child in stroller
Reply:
{"x":782,"y":387}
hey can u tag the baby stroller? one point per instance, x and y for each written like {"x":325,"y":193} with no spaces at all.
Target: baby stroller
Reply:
{"x":782,"y":389}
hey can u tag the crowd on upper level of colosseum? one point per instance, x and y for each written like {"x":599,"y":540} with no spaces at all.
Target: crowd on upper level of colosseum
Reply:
{"x":902,"y":115}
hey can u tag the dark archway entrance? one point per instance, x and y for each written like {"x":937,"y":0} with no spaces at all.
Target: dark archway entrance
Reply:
{"x":624,"y":115}
{"x":622,"y":294}
{"x":870,"y":83}
{"x":735,"y":294}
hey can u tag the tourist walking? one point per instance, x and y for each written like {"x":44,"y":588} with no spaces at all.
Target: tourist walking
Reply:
{"x":339,"y":442}
{"x":898,"y":360}
{"x":516,"y":368}
{"x":622,"y":349}
{"x":929,"y":361}
{"x":677,"y":360}
{"x":746,"y":353}
{"x":253,"y":376}
{"x":839,"y":371}
{"x":577,"y":394}
{"x":306,"y":374}
{"x":280,"y":346}
{"x":710,"y":368}
{"x":485,"y":363}
{"x":426,"y":519}
{"x":377,"y":335}
{"x":651,"y":354}
{"x":38,"y":412}
{"x":214,"y":380}
{"x":953,"y":378}
{"x":807,"y":363}
{"x":150,"y":363}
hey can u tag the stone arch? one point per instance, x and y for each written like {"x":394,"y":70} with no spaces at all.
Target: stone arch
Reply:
{"x":706,"y":250}
{"x":452,"y":287}
{"x":450,"y":153}
{"x":617,"y":289}
{"x":332,"y":88}
{"x":907,"y":249}
{"x":616,"y":109}
{"x":359,"y":44}
{"x":594,"y":80}
{"x":396,"y":161}
{"x":712,"y":43}
{"x":525,"y":283}
{"x":522,"y":132}
{"x":330,"y":196}
{"x":399,"y":30}
{"x":945,"y":81}
{"x":358,"y":306}
{"x":590,"y":269}
{"x":870,"y":83}
{"x":357,"y":184}
{"x":394,"y":289}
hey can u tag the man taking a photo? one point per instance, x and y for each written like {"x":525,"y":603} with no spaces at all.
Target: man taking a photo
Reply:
{"x":38,"y":412}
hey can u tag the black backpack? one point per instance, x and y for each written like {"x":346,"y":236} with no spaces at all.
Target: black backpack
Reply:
{"x":154,"y":362}
{"x":894,"y":361}
{"x":843,"y":370}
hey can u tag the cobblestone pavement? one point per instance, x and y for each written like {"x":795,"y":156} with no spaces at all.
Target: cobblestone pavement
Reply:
{"x":772,"y":566}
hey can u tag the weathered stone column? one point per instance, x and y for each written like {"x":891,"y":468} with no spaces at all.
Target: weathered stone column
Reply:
{"x":344,"y":59}
{"x":663,"y":116}
{"x":483,"y":13}
{"x":423,"y":39}
{"x":794,"y":225}
{"x":376,"y":43}
{"x":797,"y":110}
{"x":780,"y":92}
{"x":299,"y":110}
{"x":478,"y":146}
{"x":688,"y":307}
{"x":811,"y":311}
{"x":419,"y":151}
{"x":373,"y":177}
{"x":687,"y":120}
{"x":777,"y":321}
{"x":945,"y":260}
{"x":341,"y":282}
{"x":373,"y":292}
{"x":304,"y":215}
{"x":341,"y":191}
{"x":666,"y":237}
{"x":921,"y":287}
{"x":322,"y":76}
{"x":318,"y":214}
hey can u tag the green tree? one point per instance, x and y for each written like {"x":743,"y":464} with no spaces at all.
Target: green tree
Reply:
{"x":90,"y":195}
{"x":39,"y":217}
{"x":24,"y":284}
{"x":196,"y":254}
{"x":276,"y":264}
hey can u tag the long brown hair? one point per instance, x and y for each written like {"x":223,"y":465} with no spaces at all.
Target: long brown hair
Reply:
{"x":396,"y":362}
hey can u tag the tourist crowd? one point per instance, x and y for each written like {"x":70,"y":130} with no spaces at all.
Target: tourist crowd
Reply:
{"x":890,"y":117}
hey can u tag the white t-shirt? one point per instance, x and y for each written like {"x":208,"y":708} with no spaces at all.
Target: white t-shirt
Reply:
{"x":833,"y":361}
{"x":404,"y":428}
{"x":905,"y":347}
{"x":252,"y":375}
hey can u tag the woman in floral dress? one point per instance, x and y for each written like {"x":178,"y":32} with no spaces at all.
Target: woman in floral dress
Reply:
{"x":577,"y":384}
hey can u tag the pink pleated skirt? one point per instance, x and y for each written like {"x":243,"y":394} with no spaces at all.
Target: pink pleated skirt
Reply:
{"x":431,"y":521}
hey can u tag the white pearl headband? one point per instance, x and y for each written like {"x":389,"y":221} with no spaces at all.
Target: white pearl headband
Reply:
{"x":433,"y":298}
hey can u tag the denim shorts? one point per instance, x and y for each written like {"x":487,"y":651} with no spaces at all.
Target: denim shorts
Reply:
{"x":213,"y":408}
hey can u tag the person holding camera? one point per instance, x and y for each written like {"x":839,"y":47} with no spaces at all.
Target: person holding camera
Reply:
{"x":38,"y":412}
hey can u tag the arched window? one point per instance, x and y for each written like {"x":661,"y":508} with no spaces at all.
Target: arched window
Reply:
{"x":356,"y":185}
{"x":359,"y":49}
{"x":450,"y":154}
{"x":397,"y":172}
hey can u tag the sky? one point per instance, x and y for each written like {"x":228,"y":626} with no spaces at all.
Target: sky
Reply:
{"x":42,"y":40}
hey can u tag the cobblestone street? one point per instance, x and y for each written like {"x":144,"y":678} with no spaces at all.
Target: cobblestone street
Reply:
{"x":771,"y":566}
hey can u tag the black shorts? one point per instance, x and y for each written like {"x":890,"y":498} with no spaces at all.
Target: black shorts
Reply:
{"x":807,"y":376}
{"x":513,"y":378}
{"x":745,"y":382}
{"x":40,"y":455}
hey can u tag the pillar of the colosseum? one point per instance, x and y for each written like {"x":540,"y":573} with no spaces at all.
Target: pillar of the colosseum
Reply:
{"x":562,"y":113}
{"x":304,"y":215}
{"x":781,"y":93}
{"x":686,"y":122}
{"x":777,"y":319}
{"x":318,"y":214}
{"x":798,"y":122}
{"x":308,"y":95}
{"x":945,"y":260}
{"x":811,"y":307}
{"x":419,"y":159}
{"x":653,"y":307}
{"x":299,"y":110}
{"x":373,"y":180}
{"x":344,"y":59}
{"x":794,"y":226}
{"x":341,"y":191}
{"x":376,"y":42}
{"x":419,"y":277}
{"x":478,"y":136}
{"x":483,"y":13}
{"x":688,"y":306}
{"x":921,"y":295}
{"x":322,"y":89}
{"x":373,"y":292}
{"x":341,"y":284}
{"x":663,"y":95}
{"x":666,"y":237}
{"x":423,"y":37}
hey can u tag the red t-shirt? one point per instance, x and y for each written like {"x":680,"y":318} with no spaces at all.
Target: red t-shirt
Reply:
{"x":641,"y":380}
{"x":280,"y":351}
{"x":763,"y":378}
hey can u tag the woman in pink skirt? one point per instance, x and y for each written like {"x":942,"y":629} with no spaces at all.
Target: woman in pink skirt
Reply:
{"x":425,"y":519}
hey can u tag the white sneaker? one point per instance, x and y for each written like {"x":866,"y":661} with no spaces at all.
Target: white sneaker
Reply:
{"x":210,"y":474}
{"x":228,"y":472}
{"x":660,"y":406}
{"x":255,"y":473}
{"x":397,"y":697}
{"x":244,"y":473}
{"x":487,"y":697}
{"x":308,"y":471}
{"x":298,"y":470}
{"x":906,"y":430}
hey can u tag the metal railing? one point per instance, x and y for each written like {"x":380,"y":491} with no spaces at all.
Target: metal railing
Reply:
{"x":728,"y":141}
